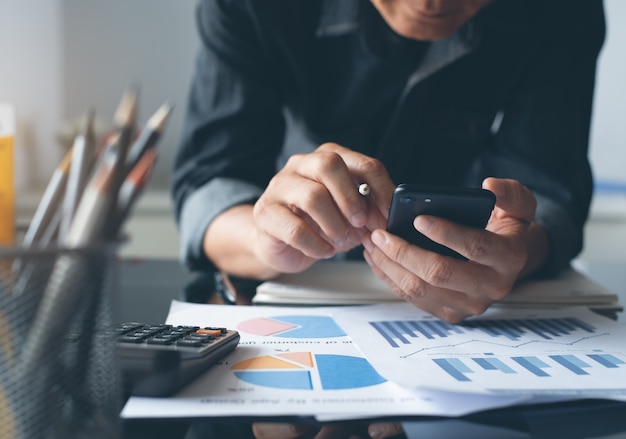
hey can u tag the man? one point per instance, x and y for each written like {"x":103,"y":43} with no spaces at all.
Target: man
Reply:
{"x":394,"y":91}
{"x":295,"y":103}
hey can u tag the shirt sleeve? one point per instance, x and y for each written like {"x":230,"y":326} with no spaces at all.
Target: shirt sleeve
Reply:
{"x":543,"y":137}
{"x":233,"y":125}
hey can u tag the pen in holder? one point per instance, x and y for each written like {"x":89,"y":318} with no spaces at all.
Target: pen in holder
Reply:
{"x":58,"y":369}
{"x":59,"y":375}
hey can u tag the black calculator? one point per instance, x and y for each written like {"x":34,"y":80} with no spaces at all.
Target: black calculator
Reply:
{"x":159,"y":360}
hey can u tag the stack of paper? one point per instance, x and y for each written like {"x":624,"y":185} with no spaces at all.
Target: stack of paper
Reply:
{"x":391,"y":360}
{"x":352,"y":282}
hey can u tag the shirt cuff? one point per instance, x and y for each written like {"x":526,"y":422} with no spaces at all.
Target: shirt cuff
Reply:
{"x":565,"y":240}
{"x":201,"y":208}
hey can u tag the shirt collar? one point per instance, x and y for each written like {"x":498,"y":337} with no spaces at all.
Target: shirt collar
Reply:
{"x":342,"y":16}
{"x":338,"y":17}
{"x":444,"y":52}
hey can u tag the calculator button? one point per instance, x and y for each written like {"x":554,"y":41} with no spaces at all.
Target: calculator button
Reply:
{"x":185,"y":342}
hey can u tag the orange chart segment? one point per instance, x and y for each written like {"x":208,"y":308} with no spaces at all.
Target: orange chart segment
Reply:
{"x":266,"y":327}
{"x":328,"y":372}
{"x":264,"y":362}
{"x":303,"y":358}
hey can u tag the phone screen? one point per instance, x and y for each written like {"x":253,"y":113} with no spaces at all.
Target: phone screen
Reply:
{"x":467,"y":206}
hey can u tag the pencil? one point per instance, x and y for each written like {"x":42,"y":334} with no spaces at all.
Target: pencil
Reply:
{"x":149,"y":136}
{"x":125,"y":117}
{"x":90,"y":219}
{"x":134,"y":185}
{"x":70,"y":274}
{"x":49,"y":203}
{"x":83,"y":158}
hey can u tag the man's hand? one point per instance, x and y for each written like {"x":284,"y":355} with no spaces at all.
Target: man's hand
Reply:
{"x":511,"y":246}
{"x":342,"y":430}
{"x":312,"y":210}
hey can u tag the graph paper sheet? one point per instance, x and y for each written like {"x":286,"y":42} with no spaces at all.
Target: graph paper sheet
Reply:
{"x":295,"y":361}
{"x":569,"y":352}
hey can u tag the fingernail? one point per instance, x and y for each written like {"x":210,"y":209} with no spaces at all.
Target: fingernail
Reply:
{"x":367,"y":243}
{"x":368,"y":258}
{"x":339,"y":242}
{"x":498,"y":188}
{"x":359,"y":219}
{"x":330,"y":253}
{"x":376,"y":431}
{"x":378,"y":238}
{"x":423,"y":224}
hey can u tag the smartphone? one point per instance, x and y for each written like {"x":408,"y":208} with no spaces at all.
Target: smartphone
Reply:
{"x":467,"y":206}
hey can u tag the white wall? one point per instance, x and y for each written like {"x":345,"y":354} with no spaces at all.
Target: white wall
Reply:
{"x":109,"y":44}
{"x":30,"y":78}
{"x":60,"y":57}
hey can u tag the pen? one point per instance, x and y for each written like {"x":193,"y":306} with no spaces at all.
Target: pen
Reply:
{"x":83,"y":158}
{"x":149,"y":136}
{"x":133,"y":186}
{"x":90,"y":219}
{"x":49,"y":203}
{"x":70,"y":272}
{"x":364,"y":189}
{"x":125,"y":117}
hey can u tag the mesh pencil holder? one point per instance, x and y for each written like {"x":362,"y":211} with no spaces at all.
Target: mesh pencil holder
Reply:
{"x":59,"y":376}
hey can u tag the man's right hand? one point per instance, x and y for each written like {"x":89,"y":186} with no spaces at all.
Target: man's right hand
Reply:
{"x":312,"y":210}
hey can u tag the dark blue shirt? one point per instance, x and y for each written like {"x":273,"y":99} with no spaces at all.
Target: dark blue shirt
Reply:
{"x":509,"y":95}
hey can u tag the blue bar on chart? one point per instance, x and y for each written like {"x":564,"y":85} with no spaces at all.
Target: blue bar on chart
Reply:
{"x":607,"y":360}
{"x":572,"y":363}
{"x":455,"y":368}
{"x":458,"y":369}
{"x":493,"y":364}
{"x":533,"y":365}
{"x":405,"y":332}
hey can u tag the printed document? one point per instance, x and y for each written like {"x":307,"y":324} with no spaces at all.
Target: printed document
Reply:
{"x":570,"y":352}
{"x":295,"y":361}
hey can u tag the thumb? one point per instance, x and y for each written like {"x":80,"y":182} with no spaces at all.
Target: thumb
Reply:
{"x":384,"y":430}
{"x":512,"y":198}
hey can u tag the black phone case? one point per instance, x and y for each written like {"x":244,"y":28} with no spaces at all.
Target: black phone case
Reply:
{"x":467,"y":206}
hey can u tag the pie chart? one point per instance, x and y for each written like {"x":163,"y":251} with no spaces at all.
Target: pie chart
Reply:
{"x":296,"y":326}
{"x":307,"y":371}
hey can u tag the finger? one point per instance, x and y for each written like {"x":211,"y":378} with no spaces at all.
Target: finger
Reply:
{"x":478,"y":245}
{"x":488,"y":254}
{"x":384,"y":430}
{"x":513,"y":198}
{"x":329,"y":168}
{"x":312,"y":201}
{"x":405,"y":284}
{"x":429,"y":280}
{"x":446,"y":313}
{"x":343,"y":430}
{"x":363,"y":168}
{"x":480,"y":278}
{"x":283,"y":225}
{"x":263,"y":430}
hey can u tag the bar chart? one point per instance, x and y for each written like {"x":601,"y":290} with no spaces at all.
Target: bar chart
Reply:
{"x":521,"y":351}
{"x":462,"y":369}
{"x":406,"y":332}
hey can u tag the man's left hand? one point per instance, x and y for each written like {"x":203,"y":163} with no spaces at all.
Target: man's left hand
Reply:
{"x":512,"y":245}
